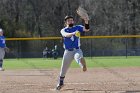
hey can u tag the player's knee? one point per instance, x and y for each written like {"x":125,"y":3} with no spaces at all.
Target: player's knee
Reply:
{"x":77,"y":56}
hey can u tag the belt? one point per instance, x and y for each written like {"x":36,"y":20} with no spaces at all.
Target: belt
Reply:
{"x":71,"y":49}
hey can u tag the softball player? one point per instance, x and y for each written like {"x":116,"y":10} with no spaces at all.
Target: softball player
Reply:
{"x":2,"y":49}
{"x":71,"y":36}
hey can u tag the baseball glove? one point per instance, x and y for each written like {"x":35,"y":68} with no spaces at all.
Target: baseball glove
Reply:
{"x":7,"y":50}
{"x":82,"y":13}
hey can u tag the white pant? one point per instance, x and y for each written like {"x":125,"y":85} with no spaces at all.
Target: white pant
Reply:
{"x":68,"y":56}
{"x":2,"y":53}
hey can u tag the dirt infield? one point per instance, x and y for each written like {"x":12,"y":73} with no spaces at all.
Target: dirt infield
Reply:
{"x":96,"y":80}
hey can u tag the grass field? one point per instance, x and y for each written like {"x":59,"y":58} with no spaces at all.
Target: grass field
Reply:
{"x":40,"y":63}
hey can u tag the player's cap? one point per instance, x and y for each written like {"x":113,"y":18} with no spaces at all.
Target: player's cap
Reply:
{"x":1,"y":30}
{"x":67,"y":17}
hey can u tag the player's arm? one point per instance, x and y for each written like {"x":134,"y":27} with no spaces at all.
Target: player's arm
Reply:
{"x":85,"y":27}
{"x":65,"y":34}
{"x":6,"y":48}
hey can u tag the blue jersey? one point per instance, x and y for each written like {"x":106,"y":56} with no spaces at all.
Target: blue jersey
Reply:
{"x":2,"y":42}
{"x":71,"y":42}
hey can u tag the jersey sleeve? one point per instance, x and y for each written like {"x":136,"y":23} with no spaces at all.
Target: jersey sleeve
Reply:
{"x":63,"y":33}
{"x":80,"y":28}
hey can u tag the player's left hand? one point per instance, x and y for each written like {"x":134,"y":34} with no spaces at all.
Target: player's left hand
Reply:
{"x":7,"y":50}
{"x":77,"y":34}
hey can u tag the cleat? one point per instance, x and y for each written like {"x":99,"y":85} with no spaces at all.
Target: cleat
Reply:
{"x":61,"y":83}
{"x":84,"y":66}
{"x":59,"y":86}
{"x":1,"y":69}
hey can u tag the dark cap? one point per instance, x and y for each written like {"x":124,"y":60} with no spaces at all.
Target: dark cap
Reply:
{"x":67,"y":17}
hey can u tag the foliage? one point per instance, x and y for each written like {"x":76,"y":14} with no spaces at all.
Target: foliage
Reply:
{"x":42,"y":18}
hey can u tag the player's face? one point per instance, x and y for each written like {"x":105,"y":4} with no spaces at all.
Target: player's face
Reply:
{"x":69,"y":21}
{"x":1,"y":33}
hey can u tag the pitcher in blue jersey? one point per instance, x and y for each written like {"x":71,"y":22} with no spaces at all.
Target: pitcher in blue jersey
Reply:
{"x":2,"y":49}
{"x":71,"y":40}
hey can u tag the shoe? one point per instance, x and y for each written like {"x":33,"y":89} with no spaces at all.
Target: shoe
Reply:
{"x":84,"y":66}
{"x":59,"y":86}
{"x":1,"y":69}
{"x":61,"y":83}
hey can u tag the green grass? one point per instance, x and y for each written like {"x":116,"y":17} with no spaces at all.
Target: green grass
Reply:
{"x":40,"y":63}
